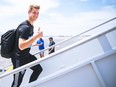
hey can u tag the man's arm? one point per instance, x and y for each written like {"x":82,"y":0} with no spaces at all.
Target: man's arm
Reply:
{"x":23,"y":44}
{"x":37,"y":44}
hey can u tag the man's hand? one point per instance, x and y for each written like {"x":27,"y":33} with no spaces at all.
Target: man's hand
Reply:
{"x":39,"y":33}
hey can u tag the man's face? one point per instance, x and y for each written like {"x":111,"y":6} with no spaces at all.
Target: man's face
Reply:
{"x":33,"y":15}
{"x":50,"y":39}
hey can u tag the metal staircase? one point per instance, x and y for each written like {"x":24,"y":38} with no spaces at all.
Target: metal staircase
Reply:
{"x":89,"y":62}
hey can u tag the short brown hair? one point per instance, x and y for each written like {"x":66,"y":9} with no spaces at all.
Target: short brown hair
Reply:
{"x":33,"y":6}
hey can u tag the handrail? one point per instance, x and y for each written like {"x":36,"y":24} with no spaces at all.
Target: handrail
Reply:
{"x":76,"y":35}
{"x":58,"y":52}
{"x":71,"y":68}
{"x":73,"y":36}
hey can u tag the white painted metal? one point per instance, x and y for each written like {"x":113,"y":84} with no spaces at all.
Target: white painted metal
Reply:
{"x":73,"y":66}
{"x":105,"y":43}
{"x":83,"y":74}
{"x":98,"y":74}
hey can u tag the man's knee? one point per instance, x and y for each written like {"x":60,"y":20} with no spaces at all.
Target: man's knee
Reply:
{"x":37,"y":68}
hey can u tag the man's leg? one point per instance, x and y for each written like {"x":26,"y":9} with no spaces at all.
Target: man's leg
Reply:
{"x":17,"y":77}
{"x":36,"y":70}
{"x":41,"y":54}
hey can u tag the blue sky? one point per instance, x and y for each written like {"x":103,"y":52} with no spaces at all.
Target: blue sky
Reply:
{"x":58,"y":17}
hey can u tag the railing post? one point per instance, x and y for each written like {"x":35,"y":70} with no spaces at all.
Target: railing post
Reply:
{"x":98,"y":74}
{"x":104,"y":43}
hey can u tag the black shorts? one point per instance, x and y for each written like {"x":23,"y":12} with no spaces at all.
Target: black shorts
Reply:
{"x":19,"y":60}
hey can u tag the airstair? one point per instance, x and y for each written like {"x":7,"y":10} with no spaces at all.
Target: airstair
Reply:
{"x":88,"y":62}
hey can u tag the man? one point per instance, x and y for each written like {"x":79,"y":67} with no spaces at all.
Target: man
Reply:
{"x":40,"y":44}
{"x":51,"y":50}
{"x":24,"y":39}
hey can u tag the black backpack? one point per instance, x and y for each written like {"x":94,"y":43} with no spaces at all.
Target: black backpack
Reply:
{"x":8,"y":41}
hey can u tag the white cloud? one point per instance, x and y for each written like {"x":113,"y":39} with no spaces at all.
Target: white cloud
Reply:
{"x":76,"y":23}
{"x":16,"y":10}
{"x":18,"y":7}
{"x":55,"y":23}
{"x":45,"y":4}
{"x":84,"y":0}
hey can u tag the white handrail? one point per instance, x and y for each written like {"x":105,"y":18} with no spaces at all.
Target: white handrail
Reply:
{"x":71,"y":68}
{"x":76,"y":35}
{"x":56,"y":53}
{"x":72,"y":37}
